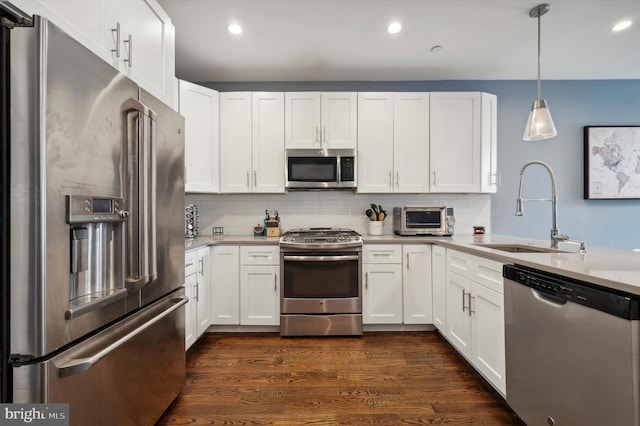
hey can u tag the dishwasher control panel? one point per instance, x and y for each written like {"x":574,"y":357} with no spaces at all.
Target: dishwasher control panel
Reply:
{"x":551,"y":286}
{"x":564,"y":289}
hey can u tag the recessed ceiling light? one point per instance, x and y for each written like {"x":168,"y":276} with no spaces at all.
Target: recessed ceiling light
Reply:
{"x":394,"y":27}
{"x":622,"y":25}
{"x":234,"y":29}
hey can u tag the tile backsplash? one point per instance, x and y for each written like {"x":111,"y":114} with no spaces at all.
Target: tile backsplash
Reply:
{"x":239,"y":213}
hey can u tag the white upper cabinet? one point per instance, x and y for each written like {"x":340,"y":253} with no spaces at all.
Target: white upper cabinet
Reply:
{"x":375,"y":142}
{"x":411,"y":142}
{"x":393,"y":142}
{"x":147,"y":44}
{"x":463,"y":142}
{"x":489,"y":175}
{"x":200,"y":108}
{"x":235,"y":142}
{"x":135,"y":36}
{"x":252,"y":142}
{"x":321,"y":120}
{"x":268,"y":141}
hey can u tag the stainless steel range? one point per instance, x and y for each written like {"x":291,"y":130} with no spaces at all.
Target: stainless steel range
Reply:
{"x":321,"y":282}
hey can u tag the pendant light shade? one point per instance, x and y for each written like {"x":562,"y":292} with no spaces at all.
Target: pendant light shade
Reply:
{"x":540,"y":124}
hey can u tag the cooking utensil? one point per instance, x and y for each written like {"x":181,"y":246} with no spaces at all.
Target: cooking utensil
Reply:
{"x":382,"y":215}
{"x":374,"y":208}
{"x":369,"y":213}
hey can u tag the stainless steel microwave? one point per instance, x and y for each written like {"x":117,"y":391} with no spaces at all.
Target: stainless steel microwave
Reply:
{"x":423,"y":220}
{"x":320,"y":169}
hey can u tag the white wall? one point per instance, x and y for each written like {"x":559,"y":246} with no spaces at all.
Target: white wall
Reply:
{"x":238,"y":214}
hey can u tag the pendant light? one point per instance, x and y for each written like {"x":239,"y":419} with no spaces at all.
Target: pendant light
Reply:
{"x":540,"y":124}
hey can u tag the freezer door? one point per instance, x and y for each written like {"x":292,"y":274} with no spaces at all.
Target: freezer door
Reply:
{"x":127,"y":374}
{"x":168,"y":142}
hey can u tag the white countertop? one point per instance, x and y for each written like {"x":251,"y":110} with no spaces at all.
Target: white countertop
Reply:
{"x":611,"y":268}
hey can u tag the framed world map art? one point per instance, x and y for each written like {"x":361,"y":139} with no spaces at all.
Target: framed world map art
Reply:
{"x":611,"y":162}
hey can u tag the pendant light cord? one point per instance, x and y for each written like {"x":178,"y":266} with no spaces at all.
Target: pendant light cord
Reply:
{"x":539,"y":57}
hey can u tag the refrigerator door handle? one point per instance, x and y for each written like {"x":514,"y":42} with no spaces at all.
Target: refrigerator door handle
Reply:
{"x":140,"y":178}
{"x":79,"y":365}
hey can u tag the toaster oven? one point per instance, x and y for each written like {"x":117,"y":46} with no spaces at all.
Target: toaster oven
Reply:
{"x":423,"y":220}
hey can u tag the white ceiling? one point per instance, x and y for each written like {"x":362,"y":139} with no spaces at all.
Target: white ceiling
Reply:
{"x":340,"y":40}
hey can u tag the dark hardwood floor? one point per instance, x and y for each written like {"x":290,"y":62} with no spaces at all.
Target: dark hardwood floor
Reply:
{"x":381,"y":378}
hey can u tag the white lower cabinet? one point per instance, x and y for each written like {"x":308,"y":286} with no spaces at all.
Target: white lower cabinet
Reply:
{"x":246,"y":287}
{"x":260,"y":298}
{"x":382,"y":294}
{"x":225,"y":285}
{"x":190,"y":283}
{"x":416,"y":284}
{"x":396,"y":284}
{"x":197,"y":287}
{"x":259,"y":285}
{"x":382,"y":286}
{"x":439,"y":283}
{"x":475,"y":314}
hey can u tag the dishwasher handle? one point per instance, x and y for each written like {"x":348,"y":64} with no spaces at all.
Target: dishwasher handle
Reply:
{"x":548,"y":298}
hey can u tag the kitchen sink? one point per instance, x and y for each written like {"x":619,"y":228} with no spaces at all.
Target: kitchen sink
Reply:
{"x":520,"y":248}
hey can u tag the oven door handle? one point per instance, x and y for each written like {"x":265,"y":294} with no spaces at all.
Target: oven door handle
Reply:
{"x":337,"y":258}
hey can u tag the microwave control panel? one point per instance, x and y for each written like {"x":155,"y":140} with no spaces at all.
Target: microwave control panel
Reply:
{"x":347,"y":169}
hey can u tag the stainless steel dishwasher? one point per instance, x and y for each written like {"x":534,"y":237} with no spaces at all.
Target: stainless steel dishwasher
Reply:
{"x":572,"y":350}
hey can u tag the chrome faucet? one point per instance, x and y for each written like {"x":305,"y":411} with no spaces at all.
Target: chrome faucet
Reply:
{"x":556,"y":237}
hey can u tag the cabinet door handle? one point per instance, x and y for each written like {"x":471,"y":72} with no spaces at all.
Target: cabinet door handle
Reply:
{"x":471,"y":311}
{"x":117,"y":31}
{"x":397,"y":179}
{"x":407,"y":260}
{"x":255,"y":179}
{"x":366,"y":280}
{"x":463,"y":294}
{"x":275,"y":283}
{"x":201,"y":261}
{"x":434,"y":178}
{"x":197,"y":289}
{"x":129,"y":59}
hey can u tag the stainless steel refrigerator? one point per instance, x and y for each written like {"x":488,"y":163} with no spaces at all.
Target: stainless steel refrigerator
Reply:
{"x":92,"y":235}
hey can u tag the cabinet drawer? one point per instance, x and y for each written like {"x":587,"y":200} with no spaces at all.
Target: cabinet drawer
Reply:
{"x":460,"y":263}
{"x":382,"y":253}
{"x":259,"y":255}
{"x":190,"y":263}
{"x":488,"y":273}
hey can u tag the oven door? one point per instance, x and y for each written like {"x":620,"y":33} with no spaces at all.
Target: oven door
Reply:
{"x":321,"y":283}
